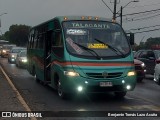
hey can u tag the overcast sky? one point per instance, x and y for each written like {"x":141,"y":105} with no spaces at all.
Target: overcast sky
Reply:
{"x":33,"y":12}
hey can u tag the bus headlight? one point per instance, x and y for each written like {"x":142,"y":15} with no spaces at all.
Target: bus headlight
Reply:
{"x":131,"y":73}
{"x":71,"y":73}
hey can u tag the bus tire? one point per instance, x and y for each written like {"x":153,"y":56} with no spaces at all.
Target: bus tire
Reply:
{"x":120,"y":94}
{"x":33,"y":71}
{"x":60,"y":92}
{"x":37,"y":80}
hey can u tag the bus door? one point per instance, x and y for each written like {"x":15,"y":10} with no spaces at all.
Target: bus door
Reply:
{"x":47,"y":54}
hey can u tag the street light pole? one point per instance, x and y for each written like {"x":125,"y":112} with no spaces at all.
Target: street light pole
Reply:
{"x":121,"y":16}
{"x":0,"y":21}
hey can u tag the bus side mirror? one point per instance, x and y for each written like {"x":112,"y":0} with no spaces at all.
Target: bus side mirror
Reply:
{"x":130,"y":37}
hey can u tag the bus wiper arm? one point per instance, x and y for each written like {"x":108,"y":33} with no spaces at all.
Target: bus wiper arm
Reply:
{"x":111,"y":47}
{"x":89,"y":50}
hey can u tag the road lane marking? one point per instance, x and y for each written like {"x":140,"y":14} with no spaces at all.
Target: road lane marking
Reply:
{"x":19,"y":97}
{"x":129,"y":98}
{"x":141,"y":107}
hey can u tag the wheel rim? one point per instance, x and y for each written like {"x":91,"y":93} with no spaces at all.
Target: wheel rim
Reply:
{"x":60,"y":93}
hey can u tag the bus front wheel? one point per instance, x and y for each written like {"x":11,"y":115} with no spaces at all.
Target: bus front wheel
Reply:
{"x":61,"y":93}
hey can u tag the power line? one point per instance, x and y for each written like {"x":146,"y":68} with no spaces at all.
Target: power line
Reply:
{"x":154,"y":4}
{"x":145,"y":27}
{"x":145,"y":14}
{"x":141,"y":12}
{"x":107,"y":6}
{"x":145,"y":18}
{"x":147,"y":31}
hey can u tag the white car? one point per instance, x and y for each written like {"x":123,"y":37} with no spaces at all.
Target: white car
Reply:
{"x":21,"y":59}
{"x":13,"y":54}
{"x":157,"y":72}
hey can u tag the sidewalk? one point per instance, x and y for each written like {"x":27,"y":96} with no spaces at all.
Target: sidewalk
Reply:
{"x":8,"y":99}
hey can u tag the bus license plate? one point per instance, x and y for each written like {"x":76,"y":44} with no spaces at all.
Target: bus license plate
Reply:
{"x":105,"y":84}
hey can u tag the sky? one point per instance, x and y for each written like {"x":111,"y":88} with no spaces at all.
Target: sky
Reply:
{"x":34,"y":12}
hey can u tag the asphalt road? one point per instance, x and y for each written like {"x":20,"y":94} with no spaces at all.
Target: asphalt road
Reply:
{"x":38,"y":97}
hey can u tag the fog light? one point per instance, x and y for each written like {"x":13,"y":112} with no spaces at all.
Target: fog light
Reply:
{"x":128,"y":87}
{"x":123,"y":81}
{"x":86,"y":82}
{"x":80,"y":88}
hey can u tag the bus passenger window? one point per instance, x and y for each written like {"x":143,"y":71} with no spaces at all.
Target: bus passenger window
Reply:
{"x":58,"y":40}
{"x":57,"y":45}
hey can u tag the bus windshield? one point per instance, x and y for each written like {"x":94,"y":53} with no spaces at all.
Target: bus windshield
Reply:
{"x":104,"y":39}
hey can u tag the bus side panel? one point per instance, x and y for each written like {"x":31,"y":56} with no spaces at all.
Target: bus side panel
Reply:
{"x":36,"y":63}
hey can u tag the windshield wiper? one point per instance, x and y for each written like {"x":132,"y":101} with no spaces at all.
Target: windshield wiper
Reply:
{"x":111,"y":47}
{"x":89,"y":50}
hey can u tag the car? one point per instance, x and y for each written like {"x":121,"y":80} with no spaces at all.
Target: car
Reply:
{"x":149,"y":58}
{"x":157,"y":72}
{"x":5,"y":49}
{"x":21,"y":59}
{"x":13,"y":53}
{"x":140,"y":69}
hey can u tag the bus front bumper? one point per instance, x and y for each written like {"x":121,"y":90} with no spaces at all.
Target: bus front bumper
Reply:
{"x":89,"y":85}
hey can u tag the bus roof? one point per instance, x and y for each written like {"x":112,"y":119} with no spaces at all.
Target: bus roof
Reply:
{"x":69,"y":18}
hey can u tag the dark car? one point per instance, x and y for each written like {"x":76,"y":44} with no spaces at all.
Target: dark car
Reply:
{"x":140,"y":70}
{"x":149,"y":58}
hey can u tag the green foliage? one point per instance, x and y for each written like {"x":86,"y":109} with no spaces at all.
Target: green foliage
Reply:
{"x":149,"y":43}
{"x":2,"y":37}
{"x":18,"y":34}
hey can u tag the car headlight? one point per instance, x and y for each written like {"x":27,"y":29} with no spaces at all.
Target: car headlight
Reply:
{"x":24,"y":60}
{"x":4,"y":51}
{"x":131,"y":73}
{"x":13,"y":55}
{"x":71,"y":73}
{"x":143,"y":65}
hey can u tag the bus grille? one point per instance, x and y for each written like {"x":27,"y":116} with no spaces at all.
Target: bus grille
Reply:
{"x":109,"y":75}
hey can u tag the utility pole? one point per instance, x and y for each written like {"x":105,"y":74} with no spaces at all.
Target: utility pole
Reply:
{"x":121,"y":15}
{"x":114,"y":12}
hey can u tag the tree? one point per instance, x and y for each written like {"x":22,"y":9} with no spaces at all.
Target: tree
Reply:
{"x":2,"y":37}
{"x":18,"y":34}
{"x":150,"y":42}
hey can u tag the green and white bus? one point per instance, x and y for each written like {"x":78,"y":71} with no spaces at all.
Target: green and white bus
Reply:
{"x":82,"y":54}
